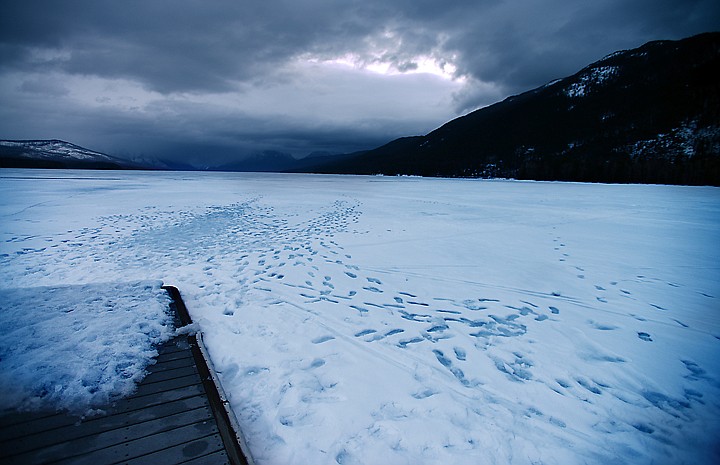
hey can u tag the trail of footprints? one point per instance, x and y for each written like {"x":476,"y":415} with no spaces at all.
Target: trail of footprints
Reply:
{"x":614,"y":290}
{"x":306,"y":257}
{"x":486,"y":320}
{"x":272,"y":251}
{"x":317,"y":281}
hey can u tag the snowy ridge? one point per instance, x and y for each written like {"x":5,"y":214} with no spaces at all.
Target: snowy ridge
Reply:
{"x":591,"y":80}
{"x":406,"y":320}
{"x":52,"y":149}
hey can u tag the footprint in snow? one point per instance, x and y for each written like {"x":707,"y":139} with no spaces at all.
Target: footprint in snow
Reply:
{"x":563,"y":383}
{"x":644,"y":336}
{"x":360,"y":309}
{"x":365,"y":332}
{"x":424,"y":394}
{"x":588,"y":386}
{"x":451,"y":312}
{"x":404,"y":343}
{"x":373,"y":289}
{"x":343,"y":457}
{"x":393,"y":306}
{"x":602,"y":326}
{"x":317,"y":363}
{"x":557,"y":422}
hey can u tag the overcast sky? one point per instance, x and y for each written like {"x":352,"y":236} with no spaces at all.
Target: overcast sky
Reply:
{"x":206,"y":81}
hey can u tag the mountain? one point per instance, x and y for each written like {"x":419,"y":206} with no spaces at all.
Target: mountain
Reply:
{"x":61,"y":154}
{"x":56,"y":154}
{"x":647,"y":115}
{"x":272,"y":161}
{"x":266,"y":161}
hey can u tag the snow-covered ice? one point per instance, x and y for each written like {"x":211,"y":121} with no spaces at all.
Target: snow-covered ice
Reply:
{"x":407,"y":320}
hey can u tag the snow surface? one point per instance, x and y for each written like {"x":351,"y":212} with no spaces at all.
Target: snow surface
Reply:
{"x":406,"y":320}
{"x":80,"y":346}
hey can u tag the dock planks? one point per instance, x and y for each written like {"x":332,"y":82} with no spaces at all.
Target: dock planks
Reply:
{"x":175,"y":416}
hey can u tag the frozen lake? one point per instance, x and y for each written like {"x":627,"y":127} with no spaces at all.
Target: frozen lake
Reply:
{"x":395,"y":320}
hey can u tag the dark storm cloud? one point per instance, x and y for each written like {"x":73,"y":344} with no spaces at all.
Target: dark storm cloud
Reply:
{"x":185,"y":45}
{"x":521,"y":45}
{"x":170,"y":46}
{"x":193,"y":133}
{"x":224,"y":47}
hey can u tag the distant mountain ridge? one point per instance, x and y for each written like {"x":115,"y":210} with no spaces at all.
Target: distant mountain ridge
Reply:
{"x":272,"y":161}
{"x":56,"y":154}
{"x":647,"y":115}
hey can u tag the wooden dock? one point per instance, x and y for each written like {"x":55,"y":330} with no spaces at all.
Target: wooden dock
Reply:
{"x":177,"y":415}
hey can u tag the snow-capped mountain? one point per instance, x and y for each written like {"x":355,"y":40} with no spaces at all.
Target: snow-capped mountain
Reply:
{"x":55,"y":154}
{"x":649,"y":115}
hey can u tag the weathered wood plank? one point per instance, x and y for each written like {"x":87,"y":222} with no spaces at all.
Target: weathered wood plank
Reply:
{"x":108,"y":438}
{"x":10,"y":418}
{"x":177,"y":344}
{"x":216,"y":458}
{"x":202,"y":433}
{"x":171,"y":364}
{"x":136,"y":403}
{"x":101,"y":424}
{"x":164,"y":375}
{"x":167,"y":385}
{"x":182,"y":452}
{"x":36,"y":424}
{"x":167,"y":356}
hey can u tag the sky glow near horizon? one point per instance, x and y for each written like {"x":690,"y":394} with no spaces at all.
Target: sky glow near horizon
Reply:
{"x":421,"y":64}
{"x":188,"y":81}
